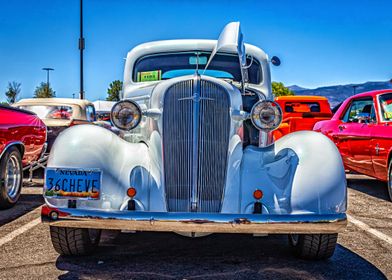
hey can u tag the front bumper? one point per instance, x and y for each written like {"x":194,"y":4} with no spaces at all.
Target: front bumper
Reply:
{"x":194,"y":222}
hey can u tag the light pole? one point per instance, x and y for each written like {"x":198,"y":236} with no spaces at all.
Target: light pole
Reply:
{"x":47,"y":69}
{"x":354,"y":89}
{"x":81,"y":48}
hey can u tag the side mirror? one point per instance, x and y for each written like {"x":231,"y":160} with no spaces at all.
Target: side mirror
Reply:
{"x":275,"y":60}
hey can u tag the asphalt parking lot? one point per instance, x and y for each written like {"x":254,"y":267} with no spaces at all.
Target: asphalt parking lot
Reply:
{"x":364,"y":250}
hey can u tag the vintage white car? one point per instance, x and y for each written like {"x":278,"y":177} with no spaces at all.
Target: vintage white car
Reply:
{"x":198,"y":156}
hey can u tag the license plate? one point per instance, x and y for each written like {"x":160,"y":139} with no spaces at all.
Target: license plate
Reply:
{"x":73,"y":183}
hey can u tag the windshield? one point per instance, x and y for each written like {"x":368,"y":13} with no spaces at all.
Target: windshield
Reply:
{"x":386,"y":106}
{"x":170,"y":65}
{"x":50,"y":111}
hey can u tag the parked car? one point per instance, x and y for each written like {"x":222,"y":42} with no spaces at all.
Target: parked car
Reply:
{"x":362,"y":131}
{"x":186,"y":170}
{"x":103,"y":109}
{"x":301,"y":113}
{"x":59,"y":113}
{"x":22,"y":141}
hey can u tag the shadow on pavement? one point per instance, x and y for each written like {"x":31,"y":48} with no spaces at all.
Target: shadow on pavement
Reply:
{"x":369,"y":186}
{"x":25,"y":204}
{"x":220,"y":256}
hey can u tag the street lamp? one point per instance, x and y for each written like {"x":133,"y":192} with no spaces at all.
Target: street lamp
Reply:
{"x":354,"y":89}
{"x":47,"y":69}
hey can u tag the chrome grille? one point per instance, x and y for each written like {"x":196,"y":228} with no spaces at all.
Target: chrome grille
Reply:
{"x":196,"y":127}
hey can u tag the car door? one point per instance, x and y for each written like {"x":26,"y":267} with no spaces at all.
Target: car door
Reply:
{"x":354,"y":135}
{"x":380,"y":147}
{"x":381,"y":144}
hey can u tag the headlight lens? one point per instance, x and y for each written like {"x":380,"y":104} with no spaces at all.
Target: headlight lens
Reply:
{"x":126,"y":115}
{"x":266,"y":115}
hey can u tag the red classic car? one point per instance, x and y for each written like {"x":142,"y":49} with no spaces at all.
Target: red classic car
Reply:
{"x":362,"y":131}
{"x":22,"y":138}
{"x":301,"y":112}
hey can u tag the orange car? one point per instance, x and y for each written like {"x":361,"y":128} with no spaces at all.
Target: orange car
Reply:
{"x":301,"y":113}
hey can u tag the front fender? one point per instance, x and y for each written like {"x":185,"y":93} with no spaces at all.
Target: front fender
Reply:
{"x":121,"y":163}
{"x":301,"y":173}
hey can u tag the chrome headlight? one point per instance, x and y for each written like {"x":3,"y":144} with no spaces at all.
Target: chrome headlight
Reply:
{"x":126,"y":115}
{"x":266,"y":115}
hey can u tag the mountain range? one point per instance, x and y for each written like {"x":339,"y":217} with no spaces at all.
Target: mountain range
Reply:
{"x":339,"y":93}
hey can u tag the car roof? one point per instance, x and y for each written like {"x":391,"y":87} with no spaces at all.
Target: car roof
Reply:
{"x":301,"y":98}
{"x":69,"y":101}
{"x":371,"y":93}
{"x":164,"y":46}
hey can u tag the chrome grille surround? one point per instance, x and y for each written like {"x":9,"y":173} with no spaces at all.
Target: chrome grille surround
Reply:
{"x":196,"y":131}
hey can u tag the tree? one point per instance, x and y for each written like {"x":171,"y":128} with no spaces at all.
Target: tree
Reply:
{"x":13,"y":91}
{"x":278,"y":89}
{"x":114,"y":90}
{"x":44,"y":91}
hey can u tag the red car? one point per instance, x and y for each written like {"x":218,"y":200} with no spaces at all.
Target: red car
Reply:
{"x":22,"y":138}
{"x":301,"y":113}
{"x":362,"y":131}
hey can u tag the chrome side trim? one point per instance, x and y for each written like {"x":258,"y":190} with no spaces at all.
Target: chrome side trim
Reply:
{"x":194,"y":221}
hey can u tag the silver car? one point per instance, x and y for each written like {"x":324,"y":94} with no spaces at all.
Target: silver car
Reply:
{"x":197,"y":156}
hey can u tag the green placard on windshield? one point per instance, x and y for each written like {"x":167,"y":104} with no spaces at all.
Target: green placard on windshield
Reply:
{"x":388,"y":115}
{"x":149,"y":76}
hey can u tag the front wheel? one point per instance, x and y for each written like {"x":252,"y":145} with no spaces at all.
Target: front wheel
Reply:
{"x":74,"y":241}
{"x":390,"y":180}
{"x":313,"y":246}
{"x":11,"y":177}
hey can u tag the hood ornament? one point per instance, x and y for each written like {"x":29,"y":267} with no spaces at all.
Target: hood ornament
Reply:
{"x":196,"y":98}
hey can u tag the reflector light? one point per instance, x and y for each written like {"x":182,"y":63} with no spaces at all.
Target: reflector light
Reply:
{"x":131,"y":192}
{"x":54,"y":215}
{"x":257,"y":194}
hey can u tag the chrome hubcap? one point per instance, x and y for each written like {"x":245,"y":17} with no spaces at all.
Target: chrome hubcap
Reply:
{"x":12,"y":176}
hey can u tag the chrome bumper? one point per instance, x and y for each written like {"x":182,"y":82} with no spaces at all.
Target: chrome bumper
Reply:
{"x":194,"y":222}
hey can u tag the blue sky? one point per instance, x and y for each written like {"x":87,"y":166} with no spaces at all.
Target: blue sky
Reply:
{"x":319,"y":42}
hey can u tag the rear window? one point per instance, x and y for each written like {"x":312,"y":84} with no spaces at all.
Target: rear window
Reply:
{"x":302,"y":107}
{"x":50,"y":111}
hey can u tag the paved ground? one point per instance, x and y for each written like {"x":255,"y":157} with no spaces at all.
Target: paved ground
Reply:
{"x":364,"y":250}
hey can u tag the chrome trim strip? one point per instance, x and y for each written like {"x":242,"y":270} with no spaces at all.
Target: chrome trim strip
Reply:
{"x":195,"y":142}
{"x":195,"y":221}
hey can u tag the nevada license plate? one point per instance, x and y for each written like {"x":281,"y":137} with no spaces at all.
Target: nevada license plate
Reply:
{"x":72,"y":183}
